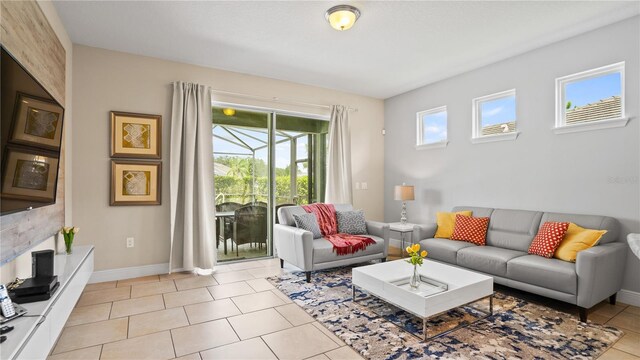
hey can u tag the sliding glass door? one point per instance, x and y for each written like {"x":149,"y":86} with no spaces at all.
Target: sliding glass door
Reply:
{"x":262,"y":160}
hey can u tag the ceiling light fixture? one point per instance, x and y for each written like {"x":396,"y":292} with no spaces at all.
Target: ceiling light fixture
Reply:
{"x":342,"y":17}
{"x":229,"y":111}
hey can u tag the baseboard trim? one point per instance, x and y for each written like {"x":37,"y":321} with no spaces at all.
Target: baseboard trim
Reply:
{"x":629,"y":297}
{"x":128,"y":272}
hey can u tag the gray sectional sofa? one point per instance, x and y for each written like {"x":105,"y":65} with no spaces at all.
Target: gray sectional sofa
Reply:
{"x":298,"y":247}
{"x":596,"y":274}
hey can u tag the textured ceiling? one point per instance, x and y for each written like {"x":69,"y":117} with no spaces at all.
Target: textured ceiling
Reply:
{"x":394,"y":47}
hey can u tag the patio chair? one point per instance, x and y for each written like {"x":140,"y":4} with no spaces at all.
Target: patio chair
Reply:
{"x":250,"y":226}
{"x":225,"y":207}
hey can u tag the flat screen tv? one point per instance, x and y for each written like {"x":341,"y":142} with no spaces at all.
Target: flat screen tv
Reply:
{"x":30,"y":140}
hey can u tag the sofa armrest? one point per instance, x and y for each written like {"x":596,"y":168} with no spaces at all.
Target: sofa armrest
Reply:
{"x":600,"y":270}
{"x":423,"y":231}
{"x":294,"y":246}
{"x":381,"y":230}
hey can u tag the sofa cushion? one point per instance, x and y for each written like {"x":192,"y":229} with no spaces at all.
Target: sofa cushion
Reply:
{"x":444,"y":249}
{"x":488,"y":259}
{"x":513,"y":229}
{"x":351,"y":222}
{"x":477,"y":211}
{"x":575,"y":240}
{"x":590,"y":222}
{"x":552,"y":274}
{"x":548,"y":238}
{"x":308,"y":222}
{"x":446,"y":223}
{"x":377,"y":248}
{"x":323,"y":250}
{"x":471,"y":229}
{"x":285,"y":213}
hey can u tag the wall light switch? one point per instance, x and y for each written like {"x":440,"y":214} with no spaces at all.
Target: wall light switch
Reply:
{"x":365,"y":186}
{"x":357,"y":186}
{"x":130,"y":242}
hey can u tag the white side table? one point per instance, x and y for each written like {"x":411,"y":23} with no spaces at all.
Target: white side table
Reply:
{"x":634,"y":243}
{"x":402,"y":229}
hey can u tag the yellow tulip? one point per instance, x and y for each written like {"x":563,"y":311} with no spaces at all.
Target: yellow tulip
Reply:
{"x":416,"y":247}
{"x":408,"y":249}
{"x":423,"y":253}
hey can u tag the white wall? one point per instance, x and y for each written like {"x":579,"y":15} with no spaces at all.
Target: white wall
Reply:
{"x":106,"y":80}
{"x":594,"y":172}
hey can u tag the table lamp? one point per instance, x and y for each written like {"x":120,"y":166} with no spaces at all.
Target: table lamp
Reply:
{"x":404,"y":193}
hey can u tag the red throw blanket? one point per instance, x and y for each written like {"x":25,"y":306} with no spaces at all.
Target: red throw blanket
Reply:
{"x":343,"y":244}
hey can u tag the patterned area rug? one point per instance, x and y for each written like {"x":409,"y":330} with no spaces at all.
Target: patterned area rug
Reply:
{"x":517,"y":330}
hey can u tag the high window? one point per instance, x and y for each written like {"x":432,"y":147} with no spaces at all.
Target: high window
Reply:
{"x":494,"y":117}
{"x":432,"y":128}
{"x":592,"y":99}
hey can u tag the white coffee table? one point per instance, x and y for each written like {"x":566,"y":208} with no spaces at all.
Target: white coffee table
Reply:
{"x":443,"y":287}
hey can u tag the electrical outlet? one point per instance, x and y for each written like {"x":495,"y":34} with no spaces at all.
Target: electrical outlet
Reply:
{"x":130,"y":242}
{"x":365,"y":186}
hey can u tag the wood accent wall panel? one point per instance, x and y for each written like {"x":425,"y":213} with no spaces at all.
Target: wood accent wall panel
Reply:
{"x":26,"y":33}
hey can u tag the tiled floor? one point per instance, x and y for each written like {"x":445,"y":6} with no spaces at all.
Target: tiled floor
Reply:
{"x":245,"y":251}
{"x":234,"y":314}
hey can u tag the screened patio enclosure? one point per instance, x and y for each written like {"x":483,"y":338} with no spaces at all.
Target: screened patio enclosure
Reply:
{"x":262,"y":160}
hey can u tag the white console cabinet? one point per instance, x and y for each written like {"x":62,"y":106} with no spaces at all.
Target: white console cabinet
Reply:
{"x":34,"y":336}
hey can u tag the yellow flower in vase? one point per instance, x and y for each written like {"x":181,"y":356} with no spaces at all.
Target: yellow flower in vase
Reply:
{"x":416,"y":259}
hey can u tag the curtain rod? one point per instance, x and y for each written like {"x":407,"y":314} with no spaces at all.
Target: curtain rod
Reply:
{"x":276,"y":99}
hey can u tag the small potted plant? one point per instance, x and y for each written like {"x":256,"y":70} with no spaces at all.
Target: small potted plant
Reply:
{"x":416,"y":259}
{"x":69,"y":232}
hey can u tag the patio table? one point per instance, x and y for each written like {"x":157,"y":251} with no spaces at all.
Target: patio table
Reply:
{"x":224,"y":215}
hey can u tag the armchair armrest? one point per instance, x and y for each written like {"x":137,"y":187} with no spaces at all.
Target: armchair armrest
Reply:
{"x":423,"y":231}
{"x":600,"y":270}
{"x":294,"y":246}
{"x":381,"y":230}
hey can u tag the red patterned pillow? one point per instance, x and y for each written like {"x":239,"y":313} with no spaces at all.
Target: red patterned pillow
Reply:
{"x":471,"y":229}
{"x":548,"y":238}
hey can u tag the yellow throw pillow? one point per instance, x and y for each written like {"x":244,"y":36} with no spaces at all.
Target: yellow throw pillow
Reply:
{"x":577,"y":239}
{"x":446,"y":222}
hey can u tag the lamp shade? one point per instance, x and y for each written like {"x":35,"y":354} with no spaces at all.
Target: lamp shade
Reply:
{"x":404,"y":192}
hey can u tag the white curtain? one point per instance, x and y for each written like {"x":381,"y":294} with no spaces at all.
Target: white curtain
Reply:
{"x":191,"y":180}
{"x":338,"y":189}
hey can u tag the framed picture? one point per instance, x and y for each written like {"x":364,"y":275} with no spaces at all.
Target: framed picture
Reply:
{"x":136,"y":182}
{"x":29,"y":175}
{"x":136,"y":135}
{"x":37,"y":122}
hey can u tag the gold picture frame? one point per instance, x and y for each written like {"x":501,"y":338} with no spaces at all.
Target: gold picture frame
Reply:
{"x":29,"y":175}
{"x":37,"y":122}
{"x":136,"y":135}
{"x":136,"y":182}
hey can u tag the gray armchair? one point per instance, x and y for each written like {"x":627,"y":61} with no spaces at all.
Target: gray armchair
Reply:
{"x":298,"y":247}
